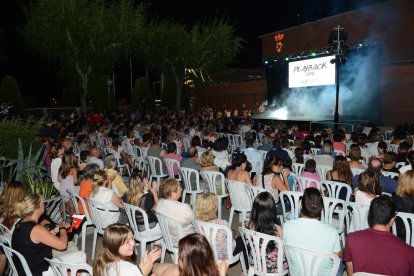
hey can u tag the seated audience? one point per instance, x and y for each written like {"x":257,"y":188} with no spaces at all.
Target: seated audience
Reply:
{"x":326,"y":157}
{"x":172,"y":154}
{"x":56,"y":153}
{"x":238,"y":169}
{"x":192,"y":163}
{"x":95,"y":158}
{"x":118,"y":185}
{"x":116,"y":256}
{"x":86,"y":184}
{"x":341,"y":172}
{"x":309,"y":171}
{"x":68,"y":175}
{"x":221,"y":155}
{"x":355,"y":156}
{"x":382,"y":149}
{"x":404,"y":199}
{"x":368,"y":188}
{"x":386,"y":254}
{"x":170,"y":206}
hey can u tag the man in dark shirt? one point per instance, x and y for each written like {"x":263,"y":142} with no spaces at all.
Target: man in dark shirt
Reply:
{"x":278,"y":151}
{"x":49,"y":130}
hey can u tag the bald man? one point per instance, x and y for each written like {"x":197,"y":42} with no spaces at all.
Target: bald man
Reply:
{"x":96,"y":158}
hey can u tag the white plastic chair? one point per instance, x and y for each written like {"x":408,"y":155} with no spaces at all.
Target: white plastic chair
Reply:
{"x":334,"y":188}
{"x":392,"y":175}
{"x":366,"y":274}
{"x":322,"y":170}
{"x":356,"y":217}
{"x":212,"y":231}
{"x":239,"y":200}
{"x":339,"y":153}
{"x":9,"y":254}
{"x":166,"y":223}
{"x":399,"y":165}
{"x":171,"y":164}
{"x":144,"y":236}
{"x":253,"y":191}
{"x":408,"y":220}
{"x":393,"y":147}
{"x":315,"y":151}
{"x":213,"y":178}
{"x":156,"y":168}
{"x":333,"y":213}
{"x":405,"y":168}
{"x":295,"y":200}
{"x":62,"y":269}
{"x":6,"y":234}
{"x":139,"y":159}
{"x":263,"y":153}
{"x":356,"y":171}
{"x":88,"y":222}
{"x":187,"y":175}
{"x":308,"y":262}
{"x":186,"y":144}
{"x":119,"y":165}
{"x":298,"y":168}
{"x":55,"y":208}
{"x":306,"y":182}
{"x":95,"y":207}
{"x":256,"y":245}
{"x":232,"y":143}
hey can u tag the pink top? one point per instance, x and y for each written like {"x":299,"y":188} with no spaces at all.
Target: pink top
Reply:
{"x":339,"y":146}
{"x":313,"y":176}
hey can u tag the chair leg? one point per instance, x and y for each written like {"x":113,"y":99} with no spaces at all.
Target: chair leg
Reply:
{"x":143,"y":244}
{"x":163,"y":250}
{"x":219,"y":207}
{"x":95,"y":237}
{"x":231,"y":216}
{"x":183,"y":197}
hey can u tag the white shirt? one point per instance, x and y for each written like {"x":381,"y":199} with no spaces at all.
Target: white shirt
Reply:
{"x":255,"y":158}
{"x":123,"y":268}
{"x":94,"y":160}
{"x":54,"y":171}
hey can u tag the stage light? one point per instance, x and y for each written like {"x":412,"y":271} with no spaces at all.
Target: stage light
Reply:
{"x":286,"y":59}
{"x":360,"y":45}
{"x":266,"y":62}
{"x":280,"y":113}
{"x":313,"y":54}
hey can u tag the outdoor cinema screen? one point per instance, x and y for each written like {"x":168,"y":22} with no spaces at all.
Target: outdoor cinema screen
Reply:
{"x":312,"y":72}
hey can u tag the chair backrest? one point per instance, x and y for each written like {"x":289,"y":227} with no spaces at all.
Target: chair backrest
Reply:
{"x":334,"y":189}
{"x":144,"y":151}
{"x":393,"y":147}
{"x":239,"y":198}
{"x":186,"y":176}
{"x":356,"y":217}
{"x":74,"y":200}
{"x":407,"y":219}
{"x":9,"y":252}
{"x":155,"y":166}
{"x":321,"y":170}
{"x":167,"y":224}
{"x":399,"y":165}
{"x":213,"y":232}
{"x":131,"y":212}
{"x":393,"y":175}
{"x":405,"y":168}
{"x":53,"y":209}
{"x":171,"y":164}
{"x":186,"y":143}
{"x":339,"y":152}
{"x":256,"y":244}
{"x":6,"y":234}
{"x":253,"y":191}
{"x":295,"y":201}
{"x":85,"y":205}
{"x":333,"y":212}
{"x":356,"y":171}
{"x":315,"y":151}
{"x":298,"y":168}
{"x":96,"y":207}
{"x":263,"y":153}
{"x":306,"y":182}
{"x":213,"y":178}
{"x":308,"y":262}
{"x":61,"y":268}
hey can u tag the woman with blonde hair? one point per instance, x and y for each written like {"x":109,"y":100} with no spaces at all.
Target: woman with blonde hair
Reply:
{"x":35,"y":242}
{"x":404,"y":195}
{"x":369,"y":187}
{"x":117,"y":255}
{"x":104,"y":194}
{"x":140,"y":194}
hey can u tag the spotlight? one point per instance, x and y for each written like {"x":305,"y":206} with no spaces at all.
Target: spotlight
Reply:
{"x":360,"y":44}
{"x":286,"y":59}
{"x":280,"y":113}
{"x":266,"y":62}
{"x":313,"y":54}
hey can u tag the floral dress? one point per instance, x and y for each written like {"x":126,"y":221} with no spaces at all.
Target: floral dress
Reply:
{"x":271,"y":257}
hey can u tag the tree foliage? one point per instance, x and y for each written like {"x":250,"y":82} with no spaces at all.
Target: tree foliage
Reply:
{"x":84,"y":36}
{"x":141,"y":90}
{"x":10,"y":93}
{"x":206,"y":48}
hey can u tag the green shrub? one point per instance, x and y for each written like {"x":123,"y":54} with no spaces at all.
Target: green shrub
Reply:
{"x":12,"y":130}
{"x":10,"y":93}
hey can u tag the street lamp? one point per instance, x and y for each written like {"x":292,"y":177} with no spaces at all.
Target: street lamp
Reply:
{"x":337,"y":39}
{"x":109,"y":85}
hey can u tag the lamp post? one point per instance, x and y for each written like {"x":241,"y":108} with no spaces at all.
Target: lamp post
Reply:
{"x":337,"y":40}
{"x":109,"y":84}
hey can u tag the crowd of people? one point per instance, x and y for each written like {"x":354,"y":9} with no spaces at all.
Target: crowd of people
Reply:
{"x":97,"y":157}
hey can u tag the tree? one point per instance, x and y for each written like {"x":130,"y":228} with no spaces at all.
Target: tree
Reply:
{"x":206,"y":48}
{"x":10,"y":93}
{"x":84,"y":36}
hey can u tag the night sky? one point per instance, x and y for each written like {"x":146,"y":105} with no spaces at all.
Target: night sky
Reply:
{"x":252,"y":18}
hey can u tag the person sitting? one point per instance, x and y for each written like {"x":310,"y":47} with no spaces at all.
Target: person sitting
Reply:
{"x":404,"y":199}
{"x":117,"y":254}
{"x":238,"y":169}
{"x":155,"y":150}
{"x":192,"y":163}
{"x":170,"y":206}
{"x":86,"y":185}
{"x":142,"y":195}
{"x":103,"y":193}
{"x":341,"y":172}
{"x":355,"y":156}
{"x":254,"y":157}
{"x":309,"y":171}
{"x":68,"y":176}
{"x":386,"y":253}
{"x":277,"y":150}
{"x":325,"y":237}
{"x":265,"y":144}
{"x":118,"y":185}
{"x":299,"y":155}
{"x":56,"y":153}
{"x":368,"y":188}
{"x":273,"y":178}
{"x":172,"y":154}
{"x":36,"y":243}
{"x":263,"y":219}
{"x":221,"y":158}
{"x":382,"y":149}
{"x":326,"y":158}
{"x":337,"y":142}
{"x":95,"y":158}
{"x":389,"y":163}
{"x":403,"y":149}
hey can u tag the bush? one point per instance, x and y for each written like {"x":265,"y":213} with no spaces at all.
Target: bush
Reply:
{"x":10,"y":93}
{"x":12,"y":130}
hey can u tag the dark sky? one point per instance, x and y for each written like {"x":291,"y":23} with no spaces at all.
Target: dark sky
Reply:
{"x":251,"y":18}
